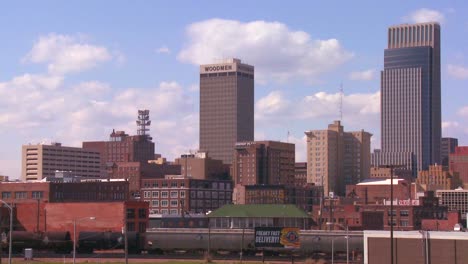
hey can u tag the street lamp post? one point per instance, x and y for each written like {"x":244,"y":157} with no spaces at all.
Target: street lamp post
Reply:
{"x":76,"y":220}
{"x":11,"y":229}
{"x":347,"y":239}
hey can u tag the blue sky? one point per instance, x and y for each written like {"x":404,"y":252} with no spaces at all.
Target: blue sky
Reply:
{"x":73,"y":70}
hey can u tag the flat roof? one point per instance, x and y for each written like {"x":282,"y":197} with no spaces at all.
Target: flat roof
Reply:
{"x":259,"y":210}
{"x":379,"y":182}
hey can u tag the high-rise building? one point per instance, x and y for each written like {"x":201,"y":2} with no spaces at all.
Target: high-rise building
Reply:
{"x":410,"y":97}
{"x":447,"y":147}
{"x":264,"y":162}
{"x":41,"y":161}
{"x":226,"y":107}
{"x":438,"y":177}
{"x":336,"y":158}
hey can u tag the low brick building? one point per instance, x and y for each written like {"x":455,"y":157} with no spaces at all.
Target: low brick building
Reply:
{"x":376,"y":190}
{"x":51,"y":206}
{"x":179,"y":195}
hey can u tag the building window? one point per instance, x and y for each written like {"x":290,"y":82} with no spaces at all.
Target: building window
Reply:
{"x":20,"y":195}
{"x":6,"y":195}
{"x":142,"y":227}
{"x":164,"y":211}
{"x":164,"y":203}
{"x":174,"y":203}
{"x":155,"y":194}
{"x":174,"y":211}
{"x":404,"y":212}
{"x":130,"y":226}
{"x":391,"y":213}
{"x":164,"y":194}
{"x":37,"y":195}
{"x":142,"y":213}
{"x":147,"y":194}
{"x":155,"y":203}
{"x":130,"y":213}
{"x":174,"y":184}
{"x":404,"y":223}
{"x":182,"y":194}
{"x":174,"y":194}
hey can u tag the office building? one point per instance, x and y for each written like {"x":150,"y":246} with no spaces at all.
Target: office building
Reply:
{"x":264,"y":162}
{"x":447,"y":147}
{"x":336,"y":158}
{"x":300,"y":173}
{"x":410,"y":97}
{"x":41,"y":161}
{"x":226,"y":107}
{"x":455,"y":200}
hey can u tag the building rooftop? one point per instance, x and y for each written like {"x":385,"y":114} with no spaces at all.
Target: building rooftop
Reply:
{"x":259,"y":210}
{"x":379,"y":182}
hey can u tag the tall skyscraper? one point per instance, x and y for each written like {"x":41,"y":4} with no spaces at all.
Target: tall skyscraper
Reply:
{"x":410,"y":97}
{"x":226,"y":107}
{"x":336,"y":158}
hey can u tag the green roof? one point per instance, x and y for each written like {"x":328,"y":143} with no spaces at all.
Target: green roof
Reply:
{"x":259,"y":210}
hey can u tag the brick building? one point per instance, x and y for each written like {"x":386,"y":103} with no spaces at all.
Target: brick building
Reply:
{"x":300,"y":173}
{"x":304,"y":197}
{"x":385,"y":173}
{"x":376,"y":190}
{"x":201,"y":166}
{"x":123,"y":148}
{"x":406,"y":216}
{"x":437,"y":177}
{"x":134,"y":172}
{"x":458,"y":162}
{"x":264,"y":162}
{"x":50,"y":206}
{"x":178,"y":195}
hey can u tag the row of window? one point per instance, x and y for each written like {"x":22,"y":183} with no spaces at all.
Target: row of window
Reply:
{"x":164,"y":194}
{"x":23,"y":195}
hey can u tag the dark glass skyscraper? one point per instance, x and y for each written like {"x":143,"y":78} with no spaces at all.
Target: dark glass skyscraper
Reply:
{"x":410,"y":97}
{"x":226,"y":107}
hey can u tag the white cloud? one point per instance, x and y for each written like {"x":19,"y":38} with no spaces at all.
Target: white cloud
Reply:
{"x":271,"y":105}
{"x":163,"y":50}
{"x":362,"y":75}
{"x":425,"y":15}
{"x":66,"y":53}
{"x":92,"y":88}
{"x":457,"y":71}
{"x":276,"y":51}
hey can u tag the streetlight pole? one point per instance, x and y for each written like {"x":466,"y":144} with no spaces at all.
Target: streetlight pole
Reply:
{"x":347,"y":239}
{"x":76,"y":220}
{"x":11,"y":229}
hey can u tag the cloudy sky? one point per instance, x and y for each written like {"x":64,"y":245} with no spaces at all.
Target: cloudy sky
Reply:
{"x":73,"y":70}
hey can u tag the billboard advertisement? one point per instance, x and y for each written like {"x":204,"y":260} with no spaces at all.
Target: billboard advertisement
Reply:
{"x":277,"y":237}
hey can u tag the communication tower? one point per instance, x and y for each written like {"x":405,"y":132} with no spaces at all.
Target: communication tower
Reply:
{"x":143,"y":122}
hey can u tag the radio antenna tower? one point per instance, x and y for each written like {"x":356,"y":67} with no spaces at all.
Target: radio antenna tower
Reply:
{"x":143,"y":122}
{"x":341,"y":102}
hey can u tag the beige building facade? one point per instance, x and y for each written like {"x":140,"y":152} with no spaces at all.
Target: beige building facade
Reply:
{"x":438,"y":178}
{"x":41,"y":161}
{"x":336,"y":158}
{"x":201,"y":166}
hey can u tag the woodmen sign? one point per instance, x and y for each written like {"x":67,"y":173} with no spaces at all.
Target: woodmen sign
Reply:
{"x":283,"y":237}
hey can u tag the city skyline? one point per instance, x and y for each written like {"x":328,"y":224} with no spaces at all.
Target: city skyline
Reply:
{"x":68,"y":75}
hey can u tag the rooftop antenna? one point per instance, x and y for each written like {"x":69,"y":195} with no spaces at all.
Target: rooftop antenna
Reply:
{"x":341,"y":102}
{"x":288,"y":136}
{"x":143,"y":122}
